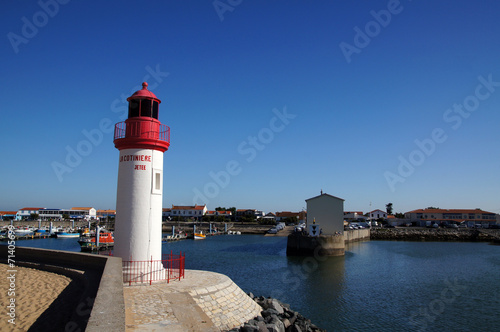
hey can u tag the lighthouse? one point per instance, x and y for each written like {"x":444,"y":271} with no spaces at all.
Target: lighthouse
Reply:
{"x":141,"y":140}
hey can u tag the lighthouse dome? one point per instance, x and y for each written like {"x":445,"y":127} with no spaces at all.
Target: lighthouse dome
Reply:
{"x":143,"y":93}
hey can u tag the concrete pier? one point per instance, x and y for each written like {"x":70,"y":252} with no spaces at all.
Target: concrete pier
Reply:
{"x":323,"y":245}
{"x":203,"y":301}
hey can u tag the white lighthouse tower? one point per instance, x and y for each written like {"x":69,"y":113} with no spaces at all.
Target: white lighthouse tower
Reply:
{"x":142,"y":140}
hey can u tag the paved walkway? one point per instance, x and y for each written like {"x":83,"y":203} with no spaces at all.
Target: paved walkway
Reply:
{"x":202,"y":301}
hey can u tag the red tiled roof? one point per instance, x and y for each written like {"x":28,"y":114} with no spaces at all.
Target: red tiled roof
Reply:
{"x":2,"y":213}
{"x":450,"y":211}
{"x":287,"y":214}
{"x":188,"y":207}
{"x":31,"y":208}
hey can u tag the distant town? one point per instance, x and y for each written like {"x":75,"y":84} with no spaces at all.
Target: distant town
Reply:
{"x":428,"y":217}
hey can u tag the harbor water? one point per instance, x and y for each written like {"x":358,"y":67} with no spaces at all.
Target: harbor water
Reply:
{"x":377,"y":286}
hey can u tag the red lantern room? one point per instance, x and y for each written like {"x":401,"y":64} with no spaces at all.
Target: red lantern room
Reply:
{"x":142,"y":129}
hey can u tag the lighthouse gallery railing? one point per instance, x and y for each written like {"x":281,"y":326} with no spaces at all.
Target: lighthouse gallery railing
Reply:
{"x":142,"y":129}
{"x":170,"y":267}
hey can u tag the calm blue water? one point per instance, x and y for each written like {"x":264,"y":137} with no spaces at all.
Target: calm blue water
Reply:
{"x":377,"y":286}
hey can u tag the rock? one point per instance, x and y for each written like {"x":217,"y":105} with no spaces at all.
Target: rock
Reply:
{"x":249,"y":328}
{"x":262,"y":326}
{"x":276,"y":306}
{"x":275,"y":327}
{"x":286,"y":323}
{"x":294,"y":328}
{"x":251,"y":296}
{"x":268,"y":312}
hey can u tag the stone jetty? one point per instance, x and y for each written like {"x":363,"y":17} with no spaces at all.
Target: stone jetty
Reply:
{"x":277,"y":316}
{"x":434,"y":234}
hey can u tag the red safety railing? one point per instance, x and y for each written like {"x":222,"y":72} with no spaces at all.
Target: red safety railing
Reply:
{"x":142,"y":129}
{"x":170,"y":267}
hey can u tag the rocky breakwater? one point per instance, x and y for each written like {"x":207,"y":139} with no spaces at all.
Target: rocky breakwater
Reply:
{"x":434,"y":234}
{"x":277,"y":317}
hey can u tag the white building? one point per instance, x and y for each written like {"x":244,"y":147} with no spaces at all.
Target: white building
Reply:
{"x":188,"y":211}
{"x":77,"y":213}
{"x":328,"y":212}
{"x":25,"y":213}
{"x":376,"y":214}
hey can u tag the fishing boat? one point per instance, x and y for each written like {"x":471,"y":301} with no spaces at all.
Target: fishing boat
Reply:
{"x":67,"y":234}
{"x":89,"y":243}
{"x":23,"y":231}
{"x":199,"y":236}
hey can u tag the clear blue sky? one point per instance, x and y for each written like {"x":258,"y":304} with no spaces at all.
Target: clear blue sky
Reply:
{"x":356,"y":85}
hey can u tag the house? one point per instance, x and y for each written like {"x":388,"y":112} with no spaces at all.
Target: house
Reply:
{"x":224,"y":213}
{"x":249,"y":212}
{"x":449,"y":216}
{"x":354,"y":216}
{"x":328,"y":212}
{"x":377,"y":214}
{"x":270,"y":217}
{"x":287,"y":215}
{"x":196,"y":211}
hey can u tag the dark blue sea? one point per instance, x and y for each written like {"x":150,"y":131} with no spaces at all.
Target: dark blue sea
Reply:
{"x":377,"y":286}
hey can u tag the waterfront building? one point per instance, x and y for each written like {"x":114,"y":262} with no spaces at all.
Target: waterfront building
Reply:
{"x":142,"y":140}
{"x":327,"y":211}
{"x":8,"y":215}
{"x":76,"y":213}
{"x":452,"y":216}
{"x":25,"y":213}
{"x":188,"y":211}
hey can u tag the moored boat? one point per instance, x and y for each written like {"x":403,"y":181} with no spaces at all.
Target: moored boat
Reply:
{"x":67,"y":234}
{"x":89,"y":243}
{"x":24,"y":231}
{"x":199,"y":236}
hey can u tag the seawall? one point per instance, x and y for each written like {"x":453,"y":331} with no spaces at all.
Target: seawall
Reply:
{"x":95,"y":302}
{"x":434,"y":234}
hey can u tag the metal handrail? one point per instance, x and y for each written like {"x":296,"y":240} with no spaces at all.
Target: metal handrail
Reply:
{"x":170,"y":267}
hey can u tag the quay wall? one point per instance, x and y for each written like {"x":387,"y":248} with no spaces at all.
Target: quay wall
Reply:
{"x":96,"y":301}
{"x":323,"y":245}
{"x":354,"y":235}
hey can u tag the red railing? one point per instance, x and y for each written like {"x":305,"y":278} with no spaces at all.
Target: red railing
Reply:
{"x":142,"y":129}
{"x":170,"y":267}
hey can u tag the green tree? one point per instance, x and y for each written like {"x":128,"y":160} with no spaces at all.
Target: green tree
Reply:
{"x":34,"y":216}
{"x":388,"y":208}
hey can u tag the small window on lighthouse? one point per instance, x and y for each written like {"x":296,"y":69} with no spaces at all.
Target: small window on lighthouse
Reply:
{"x":133,"y":109}
{"x":146,"y":108}
{"x":155,"y":110}
{"x":157,"y":180}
